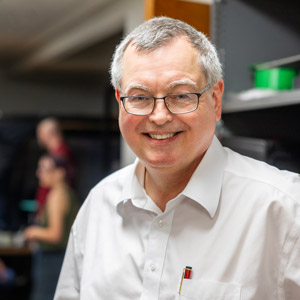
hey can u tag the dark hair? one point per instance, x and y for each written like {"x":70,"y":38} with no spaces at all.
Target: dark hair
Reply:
{"x":59,"y":161}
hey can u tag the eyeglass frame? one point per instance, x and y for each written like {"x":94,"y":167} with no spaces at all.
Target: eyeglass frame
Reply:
{"x":122,"y":98}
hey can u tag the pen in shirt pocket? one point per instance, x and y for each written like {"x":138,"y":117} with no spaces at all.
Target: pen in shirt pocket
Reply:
{"x":186,"y":274}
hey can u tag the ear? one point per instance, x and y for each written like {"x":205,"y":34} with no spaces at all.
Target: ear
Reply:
{"x":117,"y":95}
{"x":217,"y":94}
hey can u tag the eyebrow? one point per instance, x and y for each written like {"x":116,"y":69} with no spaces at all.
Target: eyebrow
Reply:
{"x":183,"y":81}
{"x":171,"y":85}
{"x":135,"y":85}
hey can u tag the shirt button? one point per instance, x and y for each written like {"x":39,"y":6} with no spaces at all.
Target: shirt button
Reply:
{"x":160,"y":223}
{"x":152,"y":267}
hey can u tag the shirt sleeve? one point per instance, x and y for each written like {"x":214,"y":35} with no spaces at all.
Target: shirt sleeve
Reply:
{"x":68,"y":286}
{"x":291,"y":283}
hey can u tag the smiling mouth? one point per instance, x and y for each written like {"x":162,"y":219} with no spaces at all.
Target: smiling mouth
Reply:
{"x":161,"y":136}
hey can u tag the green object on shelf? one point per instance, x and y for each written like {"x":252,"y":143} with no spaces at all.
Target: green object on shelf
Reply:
{"x":275,"y":78}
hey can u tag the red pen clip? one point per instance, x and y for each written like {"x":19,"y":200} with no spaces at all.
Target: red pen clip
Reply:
{"x":187,"y":272}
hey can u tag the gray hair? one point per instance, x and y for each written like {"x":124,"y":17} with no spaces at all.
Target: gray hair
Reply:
{"x":156,"y":33}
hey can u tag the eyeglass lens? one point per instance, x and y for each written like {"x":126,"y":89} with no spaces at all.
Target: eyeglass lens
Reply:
{"x":175,"y":103}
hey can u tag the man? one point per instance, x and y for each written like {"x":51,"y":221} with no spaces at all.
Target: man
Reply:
{"x":189,"y":219}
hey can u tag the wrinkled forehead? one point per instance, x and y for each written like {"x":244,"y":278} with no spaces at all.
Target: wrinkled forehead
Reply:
{"x":171,"y":85}
{"x":174,"y":64}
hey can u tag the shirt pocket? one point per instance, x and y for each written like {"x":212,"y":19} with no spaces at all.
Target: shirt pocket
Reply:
{"x":209,"y":290}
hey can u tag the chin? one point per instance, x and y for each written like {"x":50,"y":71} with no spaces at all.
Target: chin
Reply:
{"x":160,"y":162}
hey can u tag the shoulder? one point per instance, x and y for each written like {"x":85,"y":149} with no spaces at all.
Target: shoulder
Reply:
{"x":262,"y":177}
{"x":263,"y":195}
{"x":58,"y":199}
{"x":100,"y":207}
{"x":58,"y":193}
{"x":108,"y":191}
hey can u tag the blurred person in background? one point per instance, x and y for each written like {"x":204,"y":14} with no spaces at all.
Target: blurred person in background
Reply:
{"x":50,"y":137}
{"x":55,"y":220}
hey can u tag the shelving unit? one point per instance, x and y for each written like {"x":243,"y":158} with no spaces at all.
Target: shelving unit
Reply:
{"x":232,"y":105}
{"x":249,"y":32}
{"x":285,"y":62}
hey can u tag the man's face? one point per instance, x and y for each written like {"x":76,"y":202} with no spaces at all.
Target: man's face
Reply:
{"x":164,"y":140}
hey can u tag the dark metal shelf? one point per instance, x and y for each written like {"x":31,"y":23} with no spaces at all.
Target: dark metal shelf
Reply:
{"x":279,"y":99}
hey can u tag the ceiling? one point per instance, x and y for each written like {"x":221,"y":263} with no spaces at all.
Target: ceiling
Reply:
{"x":61,"y":39}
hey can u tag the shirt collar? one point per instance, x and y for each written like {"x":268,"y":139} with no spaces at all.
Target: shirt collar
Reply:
{"x":130,"y":178}
{"x":133,"y":186}
{"x":204,"y":186}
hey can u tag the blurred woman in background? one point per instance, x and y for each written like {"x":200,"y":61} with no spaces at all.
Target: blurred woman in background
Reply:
{"x":55,"y":221}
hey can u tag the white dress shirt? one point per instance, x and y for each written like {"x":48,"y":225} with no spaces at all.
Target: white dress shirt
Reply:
{"x":237,"y":224}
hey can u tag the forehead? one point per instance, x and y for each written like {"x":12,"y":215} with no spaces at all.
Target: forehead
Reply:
{"x":175,"y":62}
{"x":169,"y":86}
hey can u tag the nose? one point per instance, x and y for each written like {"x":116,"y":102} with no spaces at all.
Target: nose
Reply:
{"x":160,"y":114}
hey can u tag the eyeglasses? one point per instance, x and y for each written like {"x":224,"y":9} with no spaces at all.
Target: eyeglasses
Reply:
{"x":175,"y":103}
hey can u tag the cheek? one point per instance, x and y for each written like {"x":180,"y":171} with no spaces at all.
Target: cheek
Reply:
{"x":44,"y":180}
{"x":204,"y":123}
{"x":123,"y":121}
{"x":208,"y":112}
{"x":128,"y":124}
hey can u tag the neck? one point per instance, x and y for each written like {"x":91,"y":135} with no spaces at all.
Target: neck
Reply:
{"x":59,"y":184}
{"x":164,"y":185}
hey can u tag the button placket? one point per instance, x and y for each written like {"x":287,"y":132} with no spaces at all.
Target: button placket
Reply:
{"x":154,"y":260}
{"x":152,"y":267}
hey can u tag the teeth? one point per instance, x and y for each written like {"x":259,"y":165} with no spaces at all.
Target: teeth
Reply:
{"x":161,"y":136}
